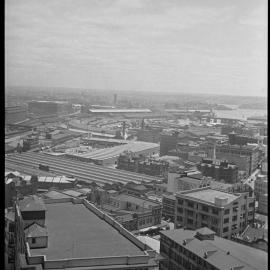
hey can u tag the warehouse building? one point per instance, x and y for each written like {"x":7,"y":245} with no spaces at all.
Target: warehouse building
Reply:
{"x":109,"y":156}
{"x":49,"y":107}
{"x":90,"y":244}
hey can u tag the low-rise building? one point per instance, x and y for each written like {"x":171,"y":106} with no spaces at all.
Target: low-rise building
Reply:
{"x":202,"y":249}
{"x":223,"y":212}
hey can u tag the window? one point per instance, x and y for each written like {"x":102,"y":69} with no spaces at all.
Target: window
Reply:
{"x":205,"y":208}
{"x":234,"y":218}
{"x":226,"y":220}
{"x":190,"y":221}
{"x":180,"y":201}
{"x":251,"y":204}
{"x":226,"y":229}
{"x":190,"y":204}
{"x":190,"y":213}
{"x":215,"y":211}
{"x":227,"y":212}
{"x":179,"y":210}
{"x":33,"y":240}
{"x":179,"y":219}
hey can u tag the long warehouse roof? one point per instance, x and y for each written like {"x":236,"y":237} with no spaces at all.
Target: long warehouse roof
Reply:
{"x":115,"y":151}
{"x":80,"y":170}
{"x":119,"y":110}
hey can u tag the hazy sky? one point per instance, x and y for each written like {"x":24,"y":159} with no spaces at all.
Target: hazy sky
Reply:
{"x":204,"y":46}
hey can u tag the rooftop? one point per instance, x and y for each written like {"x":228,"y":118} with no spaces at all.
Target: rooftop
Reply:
{"x":119,"y":110}
{"x":239,"y":255}
{"x":91,"y":237}
{"x":32,"y":203}
{"x":107,"y":153}
{"x":208,"y":195}
{"x":136,"y":200}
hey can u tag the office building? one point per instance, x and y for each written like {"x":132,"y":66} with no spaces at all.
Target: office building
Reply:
{"x":223,"y":212}
{"x":95,"y":242}
{"x":202,"y":249}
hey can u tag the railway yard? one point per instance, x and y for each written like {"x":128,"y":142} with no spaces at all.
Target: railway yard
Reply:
{"x":82,"y":171}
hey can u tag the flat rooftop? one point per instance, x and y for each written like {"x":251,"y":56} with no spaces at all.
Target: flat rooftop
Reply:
{"x":112,"y":152}
{"x":136,"y":200}
{"x":120,"y":111}
{"x":76,"y":232}
{"x":208,"y":195}
{"x":240,"y":255}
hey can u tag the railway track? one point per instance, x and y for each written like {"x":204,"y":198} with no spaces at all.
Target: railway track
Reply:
{"x":92,"y":167}
{"x":82,"y":171}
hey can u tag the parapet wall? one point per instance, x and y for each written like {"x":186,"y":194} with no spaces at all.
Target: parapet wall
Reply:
{"x":140,"y":260}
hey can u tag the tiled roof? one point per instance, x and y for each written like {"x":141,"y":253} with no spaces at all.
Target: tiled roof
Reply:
{"x":221,"y":253}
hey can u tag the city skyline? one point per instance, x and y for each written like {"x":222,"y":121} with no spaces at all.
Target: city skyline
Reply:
{"x":154,"y":46}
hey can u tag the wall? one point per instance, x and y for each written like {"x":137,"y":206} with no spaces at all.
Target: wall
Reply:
{"x":41,"y":242}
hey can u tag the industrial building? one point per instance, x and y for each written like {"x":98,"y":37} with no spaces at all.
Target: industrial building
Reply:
{"x":49,"y":107}
{"x":202,"y":249}
{"x":219,"y":170}
{"x":54,"y":241}
{"x":223,"y":212}
{"x":118,"y":111}
{"x":109,"y":156}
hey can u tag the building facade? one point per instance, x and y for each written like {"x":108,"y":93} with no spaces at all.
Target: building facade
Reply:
{"x":203,"y":250}
{"x":219,"y":170}
{"x":224,"y":213}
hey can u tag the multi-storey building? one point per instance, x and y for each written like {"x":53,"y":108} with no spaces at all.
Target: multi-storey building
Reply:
{"x":263,"y":204}
{"x":219,"y":170}
{"x":202,"y":250}
{"x":260,"y":186}
{"x":223,"y":212}
{"x":246,"y":157}
{"x":168,"y":141}
{"x":168,"y":207}
{"x":241,"y":139}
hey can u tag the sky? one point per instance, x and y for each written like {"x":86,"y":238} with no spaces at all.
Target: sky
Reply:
{"x":190,"y":46}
